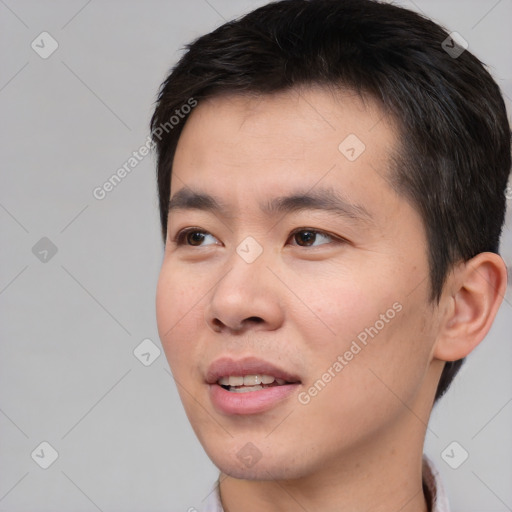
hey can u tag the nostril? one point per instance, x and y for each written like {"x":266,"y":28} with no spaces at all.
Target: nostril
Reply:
{"x":218,"y":325}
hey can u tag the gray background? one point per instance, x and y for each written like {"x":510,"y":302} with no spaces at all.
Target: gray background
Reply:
{"x":69,"y":326}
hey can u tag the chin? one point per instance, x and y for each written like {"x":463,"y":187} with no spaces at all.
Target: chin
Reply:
{"x":248,"y":464}
{"x":262,"y":472}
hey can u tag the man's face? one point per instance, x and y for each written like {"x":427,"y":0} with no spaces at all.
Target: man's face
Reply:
{"x":329,"y":294}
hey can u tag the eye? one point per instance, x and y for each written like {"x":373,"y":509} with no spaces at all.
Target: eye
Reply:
{"x":304,"y":237}
{"x":308,"y":237}
{"x":192,"y":236}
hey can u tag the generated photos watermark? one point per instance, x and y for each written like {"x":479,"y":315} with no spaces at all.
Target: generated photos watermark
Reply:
{"x":101,"y":191}
{"x":369,"y":333}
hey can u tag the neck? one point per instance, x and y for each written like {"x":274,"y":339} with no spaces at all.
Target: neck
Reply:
{"x":383,"y":475}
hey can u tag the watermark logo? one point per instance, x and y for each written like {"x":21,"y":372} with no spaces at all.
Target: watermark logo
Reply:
{"x":249,"y":249}
{"x":44,"y":455}
{"x":454,"y":45}
{"x":44,"y":250}
{"x":249,"y":455}
{"x":454,"y":455}
{"x":44,"y":45}
{"x":147,"y":352}
{"x":352,"y":147}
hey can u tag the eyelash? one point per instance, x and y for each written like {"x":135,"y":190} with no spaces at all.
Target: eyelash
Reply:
{"x":179,"y":239}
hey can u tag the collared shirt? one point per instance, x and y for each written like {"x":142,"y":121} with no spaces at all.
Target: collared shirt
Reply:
{"x":433,"y":487}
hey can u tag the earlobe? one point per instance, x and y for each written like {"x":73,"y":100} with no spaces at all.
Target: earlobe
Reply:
{"x":473,"y":295}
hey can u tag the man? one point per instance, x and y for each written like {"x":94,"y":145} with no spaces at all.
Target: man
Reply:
{"x":332,"y":193}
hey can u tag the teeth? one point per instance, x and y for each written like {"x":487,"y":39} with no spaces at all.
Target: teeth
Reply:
{"x":246,"y":389}
{"x":248,"y":380}
{"x":252,"y":380}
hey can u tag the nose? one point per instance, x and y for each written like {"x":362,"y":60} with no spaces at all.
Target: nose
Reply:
{"x":247,"y":297}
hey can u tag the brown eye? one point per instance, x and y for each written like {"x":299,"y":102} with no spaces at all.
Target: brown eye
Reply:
{"x":192,"y":237}
{"x":308,"y":237}
{"x":305,"y":237}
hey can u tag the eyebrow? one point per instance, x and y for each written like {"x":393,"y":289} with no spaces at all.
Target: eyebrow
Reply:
{"x":322,"y":199}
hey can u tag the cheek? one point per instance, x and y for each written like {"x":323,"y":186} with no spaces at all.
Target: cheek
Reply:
{"x":377,"y":329}
{"x":384,"y":364}
{"x":177,"y":309}
{"x":338,"y":310}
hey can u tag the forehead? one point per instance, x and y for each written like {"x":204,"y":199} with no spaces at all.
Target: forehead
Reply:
{"x":261,"y":145}
{"x":308,"y":115}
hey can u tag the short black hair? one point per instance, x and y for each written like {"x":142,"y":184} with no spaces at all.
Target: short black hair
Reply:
{"x":453,"y":159}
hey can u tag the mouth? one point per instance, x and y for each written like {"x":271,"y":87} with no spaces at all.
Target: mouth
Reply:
{"x":249,"y":385}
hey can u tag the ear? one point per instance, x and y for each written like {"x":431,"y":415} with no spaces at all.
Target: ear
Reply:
{"x":471,"y":298}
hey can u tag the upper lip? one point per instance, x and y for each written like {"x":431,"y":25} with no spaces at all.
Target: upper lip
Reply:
{"x":226,"y":366}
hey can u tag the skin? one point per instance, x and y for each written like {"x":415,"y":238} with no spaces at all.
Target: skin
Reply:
{"x":357,"y":445}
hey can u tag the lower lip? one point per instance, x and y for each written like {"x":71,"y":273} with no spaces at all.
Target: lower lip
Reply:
{"x":252,"y":402}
